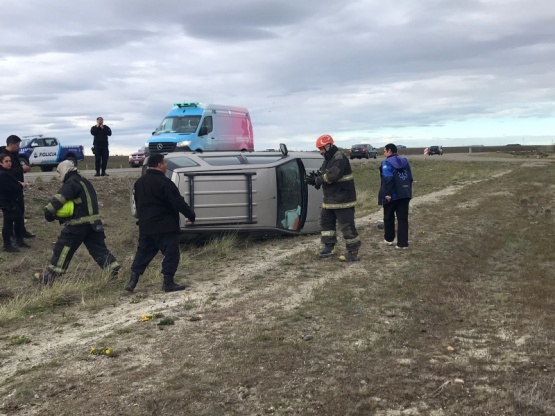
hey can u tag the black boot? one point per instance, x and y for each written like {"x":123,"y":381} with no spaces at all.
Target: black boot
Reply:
{"x":21,"y":243}
{"x":170,"y":286}
{"x":8,"y":248}
{"x":327,"y":251}
{"x":132,"y":282}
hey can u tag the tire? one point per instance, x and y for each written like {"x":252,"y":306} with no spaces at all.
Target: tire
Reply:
{"x":375,"y":155}
{"x":367,"y":156}
{"x":72,"y":159}
{"x":47,"y":168}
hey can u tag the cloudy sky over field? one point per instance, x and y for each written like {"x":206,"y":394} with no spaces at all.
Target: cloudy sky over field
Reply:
{"x":413,"y":72}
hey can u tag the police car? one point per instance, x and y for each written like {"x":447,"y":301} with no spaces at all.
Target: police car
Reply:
{"x":47,"y":152}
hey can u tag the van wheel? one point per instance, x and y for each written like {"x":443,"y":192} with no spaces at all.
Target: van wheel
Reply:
{"x":198,"y":151}
{"x":46,"y":168}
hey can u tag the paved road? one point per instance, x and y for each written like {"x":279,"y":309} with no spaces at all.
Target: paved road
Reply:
{"x":31,"y":177}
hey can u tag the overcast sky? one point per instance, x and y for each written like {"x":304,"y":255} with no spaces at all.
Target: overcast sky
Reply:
{"x":412,"y":72}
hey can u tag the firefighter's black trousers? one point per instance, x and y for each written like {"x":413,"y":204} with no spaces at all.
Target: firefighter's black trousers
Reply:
{"x":71,"y":238}
{"x":345,"y":218}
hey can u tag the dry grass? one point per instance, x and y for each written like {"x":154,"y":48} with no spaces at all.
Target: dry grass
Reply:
{"x":460,"y":324}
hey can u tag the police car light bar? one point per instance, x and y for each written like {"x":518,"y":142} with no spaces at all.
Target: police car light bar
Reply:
{"x":181,"y":105}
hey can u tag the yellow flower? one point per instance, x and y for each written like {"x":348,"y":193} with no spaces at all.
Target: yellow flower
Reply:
{"x":92,"y":350}
{"x":146,"y":318}
{"x":108,"y":351}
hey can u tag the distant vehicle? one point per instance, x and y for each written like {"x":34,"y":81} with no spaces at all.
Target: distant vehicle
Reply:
{"x":261,"y":193}
{"x":201,"y":128}
{"x":365,"y":151}
{"x":435,"y":150}
{"x":137,"y":159}
{"x":47,"y":152}
{"x":401,"y":146}
{"x":513,"y":144}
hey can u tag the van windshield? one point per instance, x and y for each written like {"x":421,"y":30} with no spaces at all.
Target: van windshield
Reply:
{"x":185,"y":124}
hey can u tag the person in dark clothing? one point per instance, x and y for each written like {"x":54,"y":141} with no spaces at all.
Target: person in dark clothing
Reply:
{"x":100,"y":132}
{"x":83,"y":226}
{"x":395,"y":195}
{"x":13,"y":143}
{"x":158,"y":203}
{"x":11,"y":191}
{"x":336,"y":179}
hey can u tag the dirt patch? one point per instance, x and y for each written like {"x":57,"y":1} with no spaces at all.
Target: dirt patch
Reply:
{"x":277,"y":331}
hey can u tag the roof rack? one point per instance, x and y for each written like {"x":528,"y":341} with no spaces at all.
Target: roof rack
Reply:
{"x":32,"y":135}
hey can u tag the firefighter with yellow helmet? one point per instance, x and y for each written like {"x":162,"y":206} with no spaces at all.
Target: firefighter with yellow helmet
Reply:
{"x":336,"y":178}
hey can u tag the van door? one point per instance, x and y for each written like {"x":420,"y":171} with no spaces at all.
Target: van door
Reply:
{"x":45,"y":151}
{"x":292,"y":195}
{"x":206,"y":136}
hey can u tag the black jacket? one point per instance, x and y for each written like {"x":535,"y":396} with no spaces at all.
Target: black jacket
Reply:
{"x":158,"y":203}
{"x":100,"y":136}
{"x":10,"y":188}
{"x":16,"y":169}
{"x":82,"y":193}
{"x":337,"y":181}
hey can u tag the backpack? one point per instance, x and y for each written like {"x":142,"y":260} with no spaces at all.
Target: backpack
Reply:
{"x":403,"y":182}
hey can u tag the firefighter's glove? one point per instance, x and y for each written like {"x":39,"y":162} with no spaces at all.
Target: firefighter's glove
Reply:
{"x":311,"y":178}
{"x":48,"y":216}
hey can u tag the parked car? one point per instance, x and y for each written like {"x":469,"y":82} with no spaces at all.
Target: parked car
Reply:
{"x":47,"y":152}
{"x":363,"y":151}
{"x":435,"y":150}
{"x":260,"y":193}
{"x":137,"y":159}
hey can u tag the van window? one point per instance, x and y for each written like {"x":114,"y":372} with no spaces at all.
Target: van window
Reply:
{"x":185,"y":124}
{"x":207,"y":122}
{"x":290,"y":198}
{"x":222,"y":160}
{"x":180,"y":162}
{"x":261,"y":160}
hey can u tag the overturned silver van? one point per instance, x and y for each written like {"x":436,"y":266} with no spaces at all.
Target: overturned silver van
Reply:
{"x":256,"y":192}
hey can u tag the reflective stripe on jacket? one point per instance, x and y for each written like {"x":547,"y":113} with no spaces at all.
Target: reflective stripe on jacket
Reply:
{"x":337,"y":181}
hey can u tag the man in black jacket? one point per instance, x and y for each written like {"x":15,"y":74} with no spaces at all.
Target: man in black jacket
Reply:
{"x":13,"y":143}
{"x":158,"y":203}
{"x":336,"y":179}
{"x":81,"y":226}
{"x":100,"y":132}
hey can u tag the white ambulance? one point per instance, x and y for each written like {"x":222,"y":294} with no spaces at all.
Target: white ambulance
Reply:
{"x":201,"y":128}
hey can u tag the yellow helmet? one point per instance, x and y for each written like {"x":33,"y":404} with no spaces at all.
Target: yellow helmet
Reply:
{"x":66,"y":210}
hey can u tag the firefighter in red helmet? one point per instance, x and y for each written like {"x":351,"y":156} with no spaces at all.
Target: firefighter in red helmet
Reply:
{"x":336,"y":179}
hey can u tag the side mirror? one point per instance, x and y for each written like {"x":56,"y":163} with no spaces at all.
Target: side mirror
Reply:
{"x":153,"y":133}
{"x":283,"y":149}
{"x":203,"y":131}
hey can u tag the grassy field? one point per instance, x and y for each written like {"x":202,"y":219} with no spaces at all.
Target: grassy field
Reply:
{"x":460,"y":324}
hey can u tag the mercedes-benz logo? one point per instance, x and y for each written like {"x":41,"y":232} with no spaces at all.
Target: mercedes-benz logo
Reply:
{"x":159,"y":146}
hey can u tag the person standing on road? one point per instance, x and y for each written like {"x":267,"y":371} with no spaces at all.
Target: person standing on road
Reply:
{"x":395,"y":195}
{"x":18,"y":169}
{"x":81,"y":226}
{"x":11,"y":191}
{"x":158,"y":203}
{"x":100,"y":132}
{"x":336,"y":179}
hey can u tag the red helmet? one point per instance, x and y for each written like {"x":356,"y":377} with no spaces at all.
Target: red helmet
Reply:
{"x":324,"y":140}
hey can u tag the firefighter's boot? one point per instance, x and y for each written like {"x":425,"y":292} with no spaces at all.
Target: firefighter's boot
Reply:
{"x":327,"y":251}
{"x":170,"y":286}
{"x":349,"y":256}
{"x":130,"y":287}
